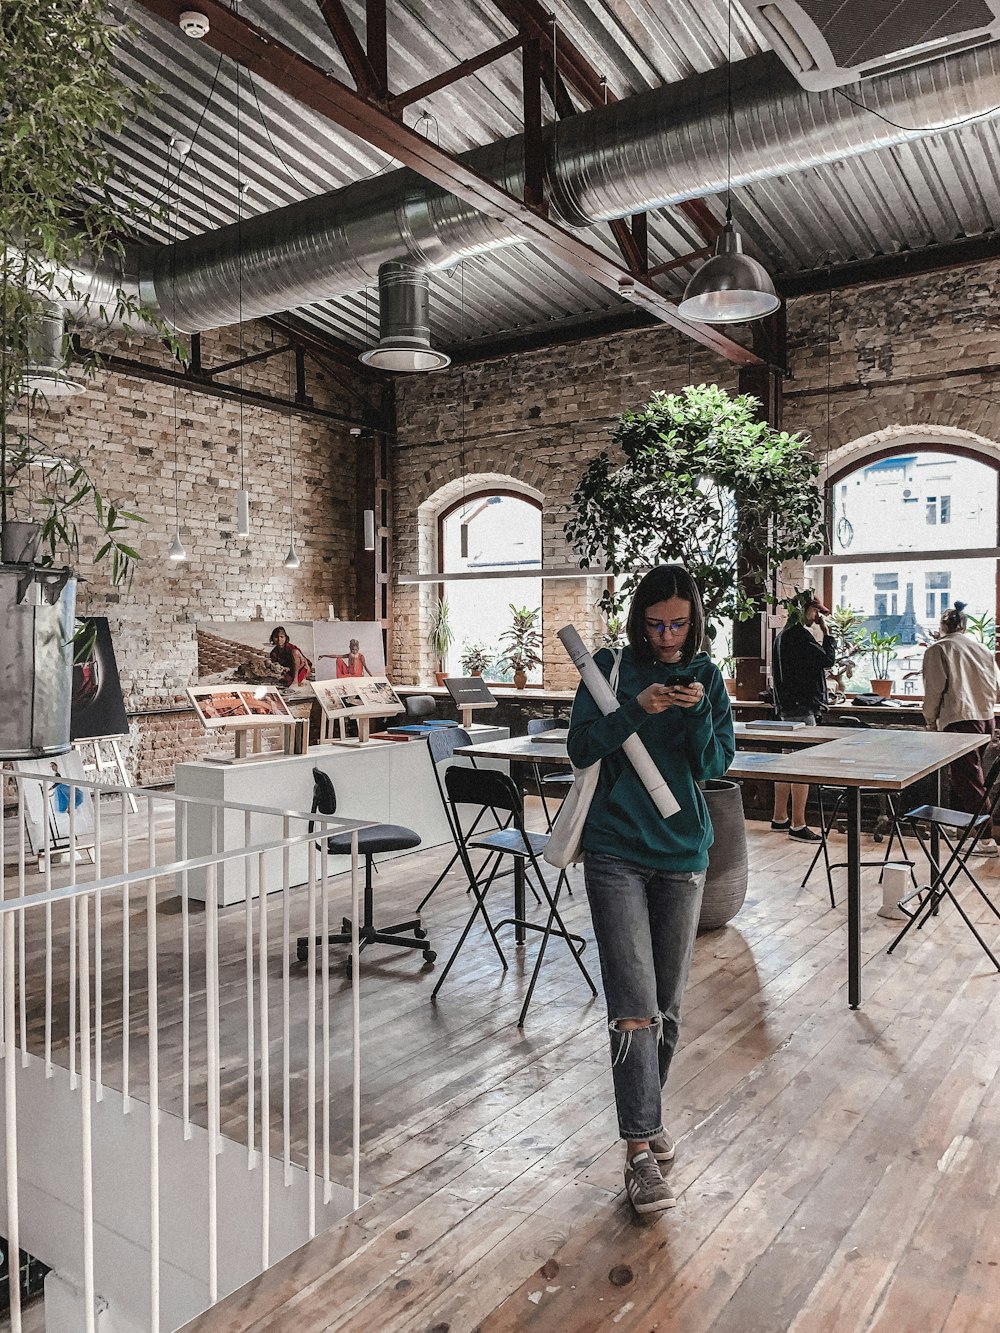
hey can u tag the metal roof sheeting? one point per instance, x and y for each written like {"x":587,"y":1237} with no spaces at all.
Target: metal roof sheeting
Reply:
{"x":908,"y":196}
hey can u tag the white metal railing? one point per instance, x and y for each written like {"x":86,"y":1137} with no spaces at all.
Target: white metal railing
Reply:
{"x":80,"y":914}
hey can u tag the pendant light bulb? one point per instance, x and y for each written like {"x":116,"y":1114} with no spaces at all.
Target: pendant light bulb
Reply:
{"x":731,"y":287}
{"x":291,"y":559}
{"x":177,"y":551}
{"x":243,"y":513}
{"x":369,"y":526}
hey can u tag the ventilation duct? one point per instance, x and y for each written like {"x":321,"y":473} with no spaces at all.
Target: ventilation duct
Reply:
{"x":826,"y":45}
{"x":656,"y":149}
{"x":45,"y":372}
{"x":404,"y":322}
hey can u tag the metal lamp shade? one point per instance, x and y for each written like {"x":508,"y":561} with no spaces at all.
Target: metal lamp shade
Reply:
{"x":404,"y":322}
{"x":729,"y":288}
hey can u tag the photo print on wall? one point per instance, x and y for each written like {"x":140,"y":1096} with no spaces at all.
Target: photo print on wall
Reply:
{"x":348,"y":649}
{"x":256,"y":652}
{"x":98,"y":708}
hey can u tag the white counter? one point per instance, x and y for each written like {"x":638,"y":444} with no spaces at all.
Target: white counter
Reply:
{"x":384,"y":781}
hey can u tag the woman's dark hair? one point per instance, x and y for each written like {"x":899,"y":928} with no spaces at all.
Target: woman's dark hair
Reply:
{"x":278,"y":629}
{"x":659,"y":585}
{"x":955,"y":619}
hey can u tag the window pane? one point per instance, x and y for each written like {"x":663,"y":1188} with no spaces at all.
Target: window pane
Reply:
{"x":501,"y":532}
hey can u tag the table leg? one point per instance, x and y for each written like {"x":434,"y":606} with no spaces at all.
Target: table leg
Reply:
{"x":519,"y":904}
{"x":853,"y":804}
{"x":935,"y":831}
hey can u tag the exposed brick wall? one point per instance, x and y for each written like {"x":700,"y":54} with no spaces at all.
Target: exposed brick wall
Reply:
{"x":122,"y":428}
{"x":914,"y":354}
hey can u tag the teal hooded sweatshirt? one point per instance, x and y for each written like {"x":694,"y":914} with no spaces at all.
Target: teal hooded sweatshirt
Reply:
{"x":688,"y":746}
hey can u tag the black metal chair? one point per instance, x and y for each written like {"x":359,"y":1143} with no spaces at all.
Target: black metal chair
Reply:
{"x":555,"y":785}
{"x":371,"y":841}
{"x":482,"y":789}
{"x":926,"y":820}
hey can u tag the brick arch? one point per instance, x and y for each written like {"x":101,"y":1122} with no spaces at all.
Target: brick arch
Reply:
{"x":913,"y":435}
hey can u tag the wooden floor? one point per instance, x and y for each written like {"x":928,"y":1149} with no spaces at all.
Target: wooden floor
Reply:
{"x":835,"y":1170}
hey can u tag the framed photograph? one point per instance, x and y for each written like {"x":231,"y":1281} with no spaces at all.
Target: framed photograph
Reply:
{"x":53,"y":801}
{"x":98,"y":709}
{"x":255,"y":652}
{"x":348,"y":649}
{"x":220,"y":706}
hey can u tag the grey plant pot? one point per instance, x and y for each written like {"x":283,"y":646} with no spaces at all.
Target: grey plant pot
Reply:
{"x":19,"y":542}
{"x":726,"y":881}
{"x":36,"y":660}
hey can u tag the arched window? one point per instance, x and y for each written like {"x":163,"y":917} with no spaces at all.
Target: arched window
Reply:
{"x":489,"y":532}
{"x":928,"y":521}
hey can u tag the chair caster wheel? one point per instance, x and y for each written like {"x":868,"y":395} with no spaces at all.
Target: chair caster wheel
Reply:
{"x":429,"y":955}
{"x":420,"y":933}
{"x":877,"y":837}
{"x":302,"y":951}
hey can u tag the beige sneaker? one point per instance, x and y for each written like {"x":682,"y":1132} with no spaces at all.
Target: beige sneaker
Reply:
{"x":986,"y":847}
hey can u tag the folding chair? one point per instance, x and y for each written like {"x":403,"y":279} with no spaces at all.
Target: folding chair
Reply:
{"x":552,"y":784}
{"x":946,"y":824}
{"x":489,"y":789}
{"x":377,"y":838}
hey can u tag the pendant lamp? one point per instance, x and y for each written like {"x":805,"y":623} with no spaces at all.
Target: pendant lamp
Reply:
{"x":729,"y":288}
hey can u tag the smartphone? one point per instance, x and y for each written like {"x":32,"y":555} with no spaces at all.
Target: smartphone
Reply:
{"x":684,"y":678}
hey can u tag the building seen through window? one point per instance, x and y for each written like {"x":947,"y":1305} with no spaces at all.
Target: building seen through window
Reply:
{"x":911,"y":506}
{"x":484,"y":532}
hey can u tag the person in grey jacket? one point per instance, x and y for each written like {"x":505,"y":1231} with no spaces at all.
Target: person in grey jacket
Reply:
{"x":961,"y":686}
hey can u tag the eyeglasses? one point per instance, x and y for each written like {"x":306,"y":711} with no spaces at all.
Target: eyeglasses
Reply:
{"x":661,"y":627}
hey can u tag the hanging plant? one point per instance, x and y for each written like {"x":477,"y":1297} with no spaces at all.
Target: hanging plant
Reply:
{"x":695,"y":478}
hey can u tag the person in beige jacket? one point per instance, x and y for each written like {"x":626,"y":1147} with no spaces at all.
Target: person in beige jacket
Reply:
{"x":961,"y":686}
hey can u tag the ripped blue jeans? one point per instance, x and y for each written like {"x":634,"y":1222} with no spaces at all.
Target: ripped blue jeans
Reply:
{"x":645,"y":922}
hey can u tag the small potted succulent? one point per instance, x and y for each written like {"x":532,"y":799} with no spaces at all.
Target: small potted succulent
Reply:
{"x":522,"y":643}
{"x":475,"y":658}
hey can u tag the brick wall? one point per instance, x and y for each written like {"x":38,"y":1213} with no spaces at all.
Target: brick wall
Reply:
{"x":914,"y":358}
{"x":122,"y":428}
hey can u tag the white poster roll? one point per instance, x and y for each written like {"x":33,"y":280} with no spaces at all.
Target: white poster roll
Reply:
{"x":603,"y":695}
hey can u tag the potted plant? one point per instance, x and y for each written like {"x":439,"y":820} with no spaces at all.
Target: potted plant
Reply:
{"x":64,"y":101}
{"x":880,"y":650}
{"x":697,"y":479}
{"x":475,"y":658}
{"x":521,"y":643}
{"x":440,"y":638}
{"x":984,"y":629}
{"x":848,"y":634}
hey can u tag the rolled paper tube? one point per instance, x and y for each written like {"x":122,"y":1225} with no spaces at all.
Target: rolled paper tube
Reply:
{"x":604,"y":696}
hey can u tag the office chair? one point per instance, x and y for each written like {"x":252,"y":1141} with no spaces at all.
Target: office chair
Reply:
{"x":486,"y":788}
{"x":418,"y":706}
{"x":926,"y":819}
{"x":378,"y":838}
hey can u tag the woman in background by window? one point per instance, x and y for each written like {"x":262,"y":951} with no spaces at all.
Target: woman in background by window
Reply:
{"x":961,"y":685}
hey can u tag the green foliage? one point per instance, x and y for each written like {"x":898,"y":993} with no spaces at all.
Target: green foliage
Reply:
{"x":441,"y":635}
{"x":521,"y":642}
{"x":614,"y":632}
{"x":61,"y":103}
{"x":984,"y":629}
{"x":476,"y":657}
{"x":694,"y":478}
{"x":846,"y":627}
{"x":880,"y":650}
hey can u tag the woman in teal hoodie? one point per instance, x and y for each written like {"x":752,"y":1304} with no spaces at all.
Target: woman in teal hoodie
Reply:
{"x":645,"y":874}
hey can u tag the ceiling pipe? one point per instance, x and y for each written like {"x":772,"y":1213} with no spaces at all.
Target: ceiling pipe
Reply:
{"x":649,"y":151}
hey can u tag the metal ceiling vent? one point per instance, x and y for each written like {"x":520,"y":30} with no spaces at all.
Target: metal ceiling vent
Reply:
{"x":404,"y":322}
{"x":45,"y":372}
{"x":826,"y":45}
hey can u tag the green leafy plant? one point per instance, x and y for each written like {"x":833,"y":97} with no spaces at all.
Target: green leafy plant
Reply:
{"x":847,"y":630}
{"x":475,"y":658}
{"x":441,"y":635}
{"x":880,"y":650}
{"x":696,"y":479}
{"x":521,"y":642}
{"x":984,"y":629}
{"x":614,"y":632}
{"x":63,"y":102}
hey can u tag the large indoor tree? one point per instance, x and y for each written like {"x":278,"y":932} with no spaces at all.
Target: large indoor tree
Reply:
{"x":697,"y":478}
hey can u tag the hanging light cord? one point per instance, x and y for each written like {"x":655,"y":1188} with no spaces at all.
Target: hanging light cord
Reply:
{"x":173,"y":232}
{"x":291,"y":494}
{"x":729,"y":112}
{"x":239,"y":267}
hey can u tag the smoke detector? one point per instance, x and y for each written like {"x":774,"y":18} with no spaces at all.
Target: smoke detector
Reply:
{"x":193,"y":24}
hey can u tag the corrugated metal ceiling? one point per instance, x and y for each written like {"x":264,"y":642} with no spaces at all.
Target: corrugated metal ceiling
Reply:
{"x":925,"y":192}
